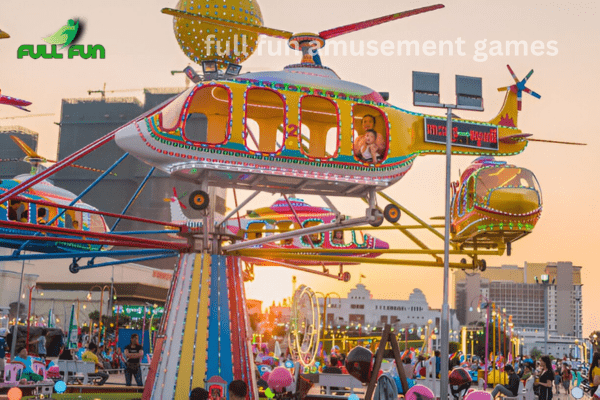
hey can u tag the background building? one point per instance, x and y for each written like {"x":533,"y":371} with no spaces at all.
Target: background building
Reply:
{"x":515,"y":290}
{"x":359,"y":307}
{"x":10,"y":150}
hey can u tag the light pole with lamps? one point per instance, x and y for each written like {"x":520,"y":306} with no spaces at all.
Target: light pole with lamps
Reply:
{"x":426,"y":89}
{"x":29,"y":316}
{"x":324,"y":318}
{"x":89,"y":297}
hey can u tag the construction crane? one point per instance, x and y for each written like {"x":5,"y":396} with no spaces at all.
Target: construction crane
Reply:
{"x":28,"y":116}
{"x":103,"y":91}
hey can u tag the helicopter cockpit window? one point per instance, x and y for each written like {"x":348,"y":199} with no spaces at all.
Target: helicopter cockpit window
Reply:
{"x":315,"y":238}
{"x":491,"y":179}
{"x":370,"y":134}
{"x":207,"y":118}
{"x":265,"y":120}
{"x":319,"y":128}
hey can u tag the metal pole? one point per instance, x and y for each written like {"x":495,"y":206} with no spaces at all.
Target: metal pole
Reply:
{"x":100,"y":316}
{"x":545,"y":318}
{"x":445,"y":323}
{"x":16,"y":326}
{"x":28,"y":318}
{"x":487,"y":343}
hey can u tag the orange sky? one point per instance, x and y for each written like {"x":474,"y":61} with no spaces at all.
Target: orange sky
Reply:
{"x":141,"y":51}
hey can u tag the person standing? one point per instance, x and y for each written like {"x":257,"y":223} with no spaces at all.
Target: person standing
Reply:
{"x":566,"y":377}
{"x":133,"y":354}
{"x":41,"y":347}
{"x":546,"y":379}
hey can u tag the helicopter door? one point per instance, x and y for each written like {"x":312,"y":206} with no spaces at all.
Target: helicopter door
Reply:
{"x":265,"y":120}
{"x":207,"y":118}
{"x":369,"y":118}
{"x":319,"y":127}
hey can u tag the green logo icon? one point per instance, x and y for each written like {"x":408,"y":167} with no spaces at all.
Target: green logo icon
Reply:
{"x":64,"y":35}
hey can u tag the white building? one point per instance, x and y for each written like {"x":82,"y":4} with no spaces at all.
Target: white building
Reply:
{"x":359,"y":307}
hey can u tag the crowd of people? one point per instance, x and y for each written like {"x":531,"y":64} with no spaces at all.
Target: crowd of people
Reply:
{"x":107,"y":359}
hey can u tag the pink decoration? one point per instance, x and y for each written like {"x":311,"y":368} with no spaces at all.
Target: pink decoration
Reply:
{"x":279,"y":378}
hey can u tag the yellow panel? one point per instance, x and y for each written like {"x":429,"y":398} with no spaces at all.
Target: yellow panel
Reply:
{"x":189,"y":334}
{"x":202,"y":327}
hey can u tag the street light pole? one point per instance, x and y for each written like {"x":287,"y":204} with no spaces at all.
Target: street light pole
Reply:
{"x":468,"y":96}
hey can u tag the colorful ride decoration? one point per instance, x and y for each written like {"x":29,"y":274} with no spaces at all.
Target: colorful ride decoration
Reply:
{"x":209,"y":39}
{"x":12,"y":101}
{"x":205,"y":330}
{"x":21,"y":219}
{"x":304,"y":333}
{"x":495,"y":203}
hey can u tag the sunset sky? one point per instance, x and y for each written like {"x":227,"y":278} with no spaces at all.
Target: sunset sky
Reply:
{"x":141,"y":51}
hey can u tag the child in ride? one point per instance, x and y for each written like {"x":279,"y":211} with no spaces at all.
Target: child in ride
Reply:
{"x":369,"y":149}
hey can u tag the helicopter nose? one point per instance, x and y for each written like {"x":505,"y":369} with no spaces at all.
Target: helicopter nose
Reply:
{"x":514,"y":200}
{"x":380,"y":244}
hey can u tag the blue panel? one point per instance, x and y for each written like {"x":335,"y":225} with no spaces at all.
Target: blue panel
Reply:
{"x":225,"y":327}
{"x":213,"y":321}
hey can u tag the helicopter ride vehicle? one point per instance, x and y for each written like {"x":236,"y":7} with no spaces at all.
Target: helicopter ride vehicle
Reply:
{"x":495,"y":204}
{"x":301,"y":130}
{"x":286,"y":215}
{"x":13,"y":101}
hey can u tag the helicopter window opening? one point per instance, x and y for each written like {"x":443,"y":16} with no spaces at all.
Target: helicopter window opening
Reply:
{"x":97,"y":223}
{"x":172,"y":111}
{"x":43,"y":215}
{"x":15,"y":209}
{"x":359,"y":238}
{"x":338,"y":237}
{"x":494,"y":178}
{"x":319,"y":128}
{"x":208,"y":116}
{"x":285,"y":226}
{"x":369,"y":118}
{"x":315,"y":238}
{"x":265,"y":120}
{"x":470,"y":193}
{"x":69,"y":220}
{"x":255,"y":230}
{"x":196,"y":128}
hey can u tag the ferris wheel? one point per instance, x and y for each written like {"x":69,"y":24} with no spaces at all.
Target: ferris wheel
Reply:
{"x":303,"y":336}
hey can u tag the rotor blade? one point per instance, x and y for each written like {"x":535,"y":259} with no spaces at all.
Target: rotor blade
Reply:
{"x":89,"y":168}
{"x":503,"y":89}
{"x":229,"y":24}
{"x":10,"y":159}
{"x":342,"y":30}
{"x":512,"y":73}
{"x":531,"y":92}
{"x":26,"y":149}
{"x":557,"y":142}
{"x":4,"y":35}
{"x":528,"y":76}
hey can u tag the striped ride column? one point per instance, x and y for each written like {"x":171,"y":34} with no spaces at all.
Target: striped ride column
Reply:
{"x":205,"y":331}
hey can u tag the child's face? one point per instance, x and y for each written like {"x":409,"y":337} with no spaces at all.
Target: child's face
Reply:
{"x":368,"y":123}
{"x":369,"y":137}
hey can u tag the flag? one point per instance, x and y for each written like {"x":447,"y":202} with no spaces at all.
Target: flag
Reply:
{"x":50,"y":319}
{"x":72,"y":334}
{"x":362,"y":276}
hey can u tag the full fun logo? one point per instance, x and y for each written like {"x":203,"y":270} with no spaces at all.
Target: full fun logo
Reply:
{"x":62,"y":37}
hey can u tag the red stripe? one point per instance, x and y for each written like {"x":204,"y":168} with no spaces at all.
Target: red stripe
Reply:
{"x":234,"y":315}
